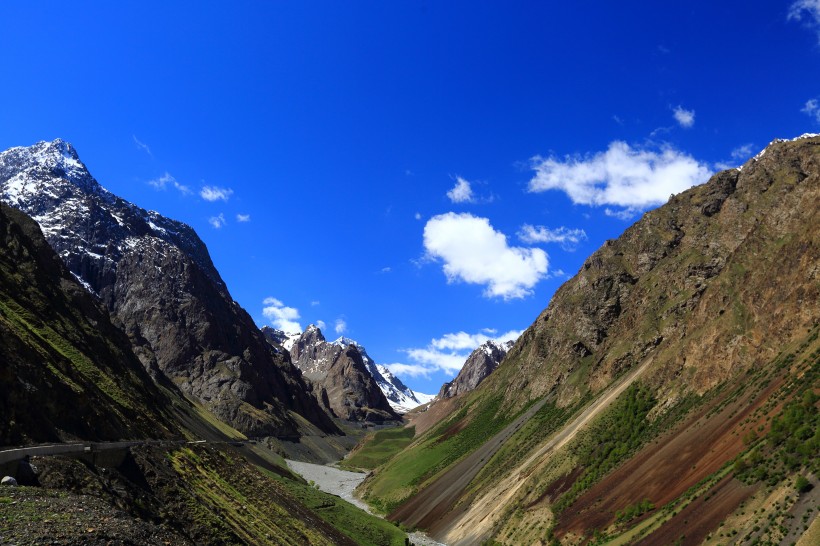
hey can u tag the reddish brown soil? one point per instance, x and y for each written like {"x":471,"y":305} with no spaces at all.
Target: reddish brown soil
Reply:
{"x":693,"y":523}
{"x":665,"y":469}
{"x":558,"y":487}
{"x":435,"y":413}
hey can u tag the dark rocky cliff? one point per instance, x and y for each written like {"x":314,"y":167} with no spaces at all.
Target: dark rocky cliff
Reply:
{"x":157,"y":279}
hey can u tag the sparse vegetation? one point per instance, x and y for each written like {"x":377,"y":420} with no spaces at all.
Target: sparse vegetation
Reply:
{"x":611,"y":439}
{"x":378,"y":448}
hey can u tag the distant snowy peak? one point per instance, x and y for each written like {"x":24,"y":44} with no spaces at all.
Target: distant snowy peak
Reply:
{"x":481,"y":363}
{"x":48,"y":182}
{"x":401,"y":397}
{"x":284,"y":339}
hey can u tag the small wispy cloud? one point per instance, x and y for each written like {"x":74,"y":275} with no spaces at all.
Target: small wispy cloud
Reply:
{"x":462,"y":192}
{"x":417,"y":216}
{"x":243,"y":218}
{"x":322,"y":325}
{"x":446,"y":354}
{"x":743,"y":152}
{"x":807,"y":11}
{"x":281,"y":316}
{"x":812,"y":108}
{"x":217,"y":221}
{"x":166,"y":180}
{"x":566,"y":237}
{"x":215,"y":193}
{"x":387,"y":269}
{"x":622,"y":214}
{"x":684,"y":117}
{"x":142,"y":146}
{"x":340,"y":326}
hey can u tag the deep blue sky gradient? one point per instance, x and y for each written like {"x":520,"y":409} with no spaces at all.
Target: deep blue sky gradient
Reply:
{"x":335,"y":123}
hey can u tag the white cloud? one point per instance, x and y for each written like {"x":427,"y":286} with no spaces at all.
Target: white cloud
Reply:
{"x":142,"y":146}
{"x":387,"y":269}
{"x":568,"y":238}
{"x":812,"y":108}
{"x":321,"y":324}
{"x":684,"y":117}
{"x":314,"y":303}
{"x":461,"y":192}
{"x":622,"y":214}
{"x":341,"y":326}
{"x":215,"y":193}
{"x":460,"y":341}
{"x":166,"y":179}
{"x":448,"y":353}
{"x":812,"y":13}
{"x":743,"y":152}
{"x":243,"y":217}
{"x":631,"y":178}
{"x":474,"y":252}
{"x":417,"y":216}
{"x":282,"y":317}
{"x":217,"y":221}
{"x":411,"y":370}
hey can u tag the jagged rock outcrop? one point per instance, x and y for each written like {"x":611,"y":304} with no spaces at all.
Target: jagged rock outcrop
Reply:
{"x":66,"y":372}
{"x":481,"y":363}
{"x":340,"y":378}
{"x":156,"y":276}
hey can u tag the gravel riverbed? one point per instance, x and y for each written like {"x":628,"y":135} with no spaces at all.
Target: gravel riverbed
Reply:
{"x":342,"y":483}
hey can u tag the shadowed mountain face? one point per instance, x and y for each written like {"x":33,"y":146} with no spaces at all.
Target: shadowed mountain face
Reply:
{"x":671,"y":353}
{"x":66,"y":372}
{"x":157,"y":279}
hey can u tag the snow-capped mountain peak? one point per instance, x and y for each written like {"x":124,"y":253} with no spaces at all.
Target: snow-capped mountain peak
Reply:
{"x":401,"y":398}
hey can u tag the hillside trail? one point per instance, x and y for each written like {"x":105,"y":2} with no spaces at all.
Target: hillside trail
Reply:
{"x":478,"y":520}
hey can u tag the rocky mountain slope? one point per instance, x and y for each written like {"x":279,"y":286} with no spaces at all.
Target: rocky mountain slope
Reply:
{"x":400,"y":397}
{"x":667,"y":385}
{"x":481,"y":363}
{"x":66,"y":372}
{"x":156,"y":277}
{"x":340,"y":378}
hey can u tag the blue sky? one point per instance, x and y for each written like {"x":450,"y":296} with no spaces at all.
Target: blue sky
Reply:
{"x":415,"y":175}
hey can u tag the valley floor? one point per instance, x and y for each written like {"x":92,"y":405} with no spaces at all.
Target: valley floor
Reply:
{"x":342,"y":483}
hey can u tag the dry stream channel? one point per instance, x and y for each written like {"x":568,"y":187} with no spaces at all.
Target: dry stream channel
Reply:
{"x":342,"y":483}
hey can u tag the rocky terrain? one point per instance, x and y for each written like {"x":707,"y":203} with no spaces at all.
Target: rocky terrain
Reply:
{"x":481,"y":363}
{"x":340,"y":378}
{"x":664,"y":374}
{"x":156,"y":277}
{"x":400,"y":397}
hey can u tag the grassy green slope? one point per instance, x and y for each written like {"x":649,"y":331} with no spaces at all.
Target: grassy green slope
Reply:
{"x":59,"y":350}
